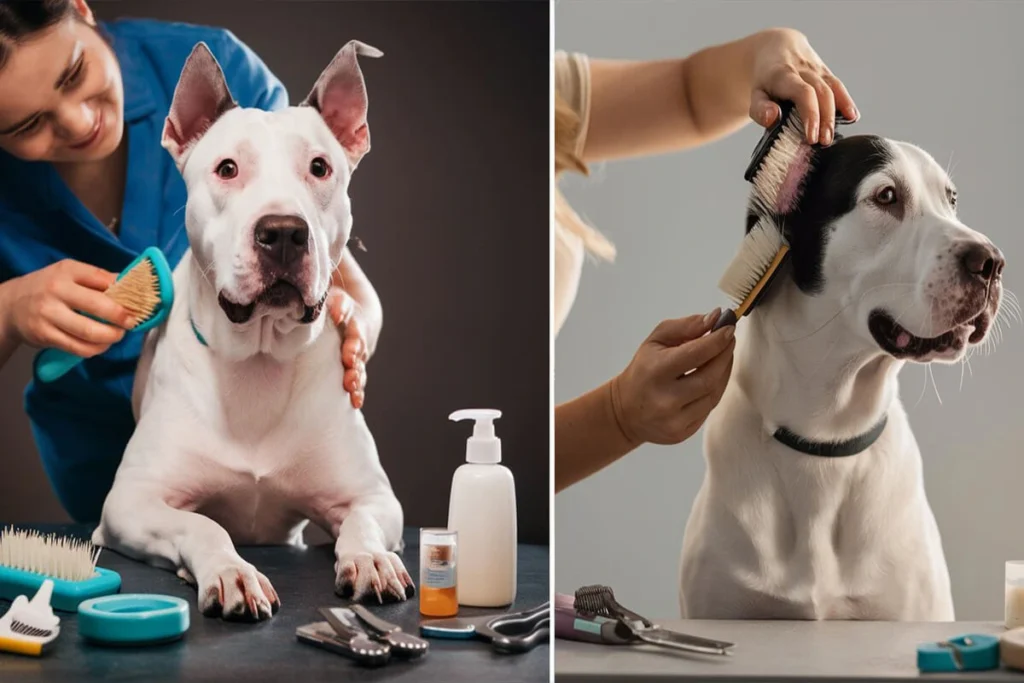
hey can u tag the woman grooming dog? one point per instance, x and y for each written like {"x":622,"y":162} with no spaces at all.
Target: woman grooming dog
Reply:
{"x":85,"y":188}
{"x":608,"y":110}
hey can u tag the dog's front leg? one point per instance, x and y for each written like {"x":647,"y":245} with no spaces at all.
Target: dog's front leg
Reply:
{"x":368,"y":532}
{"x":139,"y":523}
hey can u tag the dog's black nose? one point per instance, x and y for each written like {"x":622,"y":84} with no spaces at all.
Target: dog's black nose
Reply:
{"x":982,"y":261}
{"x":282,"y":239}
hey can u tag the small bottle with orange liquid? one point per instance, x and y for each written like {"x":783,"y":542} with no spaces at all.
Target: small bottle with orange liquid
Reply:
{"x":439,"y":594}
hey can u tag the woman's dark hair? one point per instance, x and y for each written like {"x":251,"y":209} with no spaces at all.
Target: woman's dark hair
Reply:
{"x":19,"y":19}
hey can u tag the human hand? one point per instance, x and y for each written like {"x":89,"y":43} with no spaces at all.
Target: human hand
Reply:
{"x":676,"y":377}
{"x":786,"y":67}
{"x":345,"y":312}
{"x":45,"y":309}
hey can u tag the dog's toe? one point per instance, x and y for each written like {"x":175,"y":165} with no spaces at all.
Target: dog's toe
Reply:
{"x":239,"y":593}
{"x":379,"y":577}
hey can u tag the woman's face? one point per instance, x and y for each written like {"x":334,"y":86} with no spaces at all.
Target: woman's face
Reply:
{"x":62,"y":98}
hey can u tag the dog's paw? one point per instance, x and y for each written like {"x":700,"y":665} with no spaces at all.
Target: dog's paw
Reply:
{"x":237,"y":592}
{"x":381,"y":575}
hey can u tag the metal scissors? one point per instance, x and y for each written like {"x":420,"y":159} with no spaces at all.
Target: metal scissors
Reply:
{"x":510,"y":633}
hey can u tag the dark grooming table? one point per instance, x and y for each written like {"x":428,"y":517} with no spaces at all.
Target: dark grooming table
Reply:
{"x":215,"y":650}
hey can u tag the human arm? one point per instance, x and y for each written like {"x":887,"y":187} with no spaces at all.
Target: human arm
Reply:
{"x":641,"y":108}
{"x":674,"y":380}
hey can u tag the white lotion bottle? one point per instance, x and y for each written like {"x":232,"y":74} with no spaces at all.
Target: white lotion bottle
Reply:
{"x":482,"y":508}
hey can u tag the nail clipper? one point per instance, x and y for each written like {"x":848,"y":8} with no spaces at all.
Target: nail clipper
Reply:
{"x":605,"y":620}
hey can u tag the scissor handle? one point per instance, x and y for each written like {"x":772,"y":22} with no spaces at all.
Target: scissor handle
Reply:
{"x":529,"y":628}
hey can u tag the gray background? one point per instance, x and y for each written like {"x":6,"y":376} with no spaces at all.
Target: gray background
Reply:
{"x":941,"y":75}
{"x":452,"y":204}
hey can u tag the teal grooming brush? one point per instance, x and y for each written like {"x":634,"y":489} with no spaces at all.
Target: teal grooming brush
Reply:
{"x":145,"y":288}
{"x":28,"y":558}
{"x":972,"y":652}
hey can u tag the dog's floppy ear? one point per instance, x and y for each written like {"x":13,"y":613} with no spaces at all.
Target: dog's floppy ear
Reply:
{"x":339,"y":94}
{"x":200,"y":98}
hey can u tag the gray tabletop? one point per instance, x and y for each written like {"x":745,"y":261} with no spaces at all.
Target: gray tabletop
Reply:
{"x":778,"y":651}
{"x":214,"y":650}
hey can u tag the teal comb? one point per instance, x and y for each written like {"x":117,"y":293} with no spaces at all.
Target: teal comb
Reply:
{"x":52,"y":364}
{"x":972,"y":652}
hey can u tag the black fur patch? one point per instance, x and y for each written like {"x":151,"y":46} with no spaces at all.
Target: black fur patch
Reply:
{"x":829,"y":192}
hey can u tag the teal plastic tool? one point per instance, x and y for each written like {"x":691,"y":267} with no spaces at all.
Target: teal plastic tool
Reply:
{"x":52,"y":364}
{"x":133,"y":619}
{"x":67,"y":595}
{"x":971,"y":652}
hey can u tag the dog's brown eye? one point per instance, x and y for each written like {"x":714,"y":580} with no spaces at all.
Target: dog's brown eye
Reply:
{"x":887,"y":195}
{"x":227,"y":169}
{"x":319,"y":167}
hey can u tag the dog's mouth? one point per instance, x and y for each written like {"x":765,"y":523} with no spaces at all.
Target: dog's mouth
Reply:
{"x":280,"y":294}
{"x":900,"y":343}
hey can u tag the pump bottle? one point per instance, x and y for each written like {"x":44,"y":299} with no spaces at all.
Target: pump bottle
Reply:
{"x":482,"y":508}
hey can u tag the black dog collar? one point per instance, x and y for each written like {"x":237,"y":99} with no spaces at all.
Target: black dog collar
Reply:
{"x":832,"y":449}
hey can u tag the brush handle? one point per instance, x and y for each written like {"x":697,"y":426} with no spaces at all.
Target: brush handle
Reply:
{"x":728,"y":317}
{"x":52,"y":364}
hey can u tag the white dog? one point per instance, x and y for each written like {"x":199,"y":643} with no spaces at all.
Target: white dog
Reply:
{"x":245,"y":432}
{"x":881,"y":271}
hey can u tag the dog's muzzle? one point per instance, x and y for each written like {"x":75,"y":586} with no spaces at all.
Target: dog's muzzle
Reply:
{"x":279,"y":294}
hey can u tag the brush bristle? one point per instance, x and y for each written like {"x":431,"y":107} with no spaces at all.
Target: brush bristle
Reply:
{"x":138,"y":291}
{"x":755,"y":256}
{"x":57,"y":557}
{"x":778,"y":182}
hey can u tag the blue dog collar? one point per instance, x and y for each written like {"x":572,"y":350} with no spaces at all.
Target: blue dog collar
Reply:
{"x":199,"y":336}
{"x":133,"y":619}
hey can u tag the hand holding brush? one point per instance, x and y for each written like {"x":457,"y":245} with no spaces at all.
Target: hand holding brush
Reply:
{"x":674,"y":380}
{"x":61,"y":307}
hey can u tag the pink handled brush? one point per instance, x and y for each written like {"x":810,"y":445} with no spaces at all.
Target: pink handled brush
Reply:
{"x":778,"y":168}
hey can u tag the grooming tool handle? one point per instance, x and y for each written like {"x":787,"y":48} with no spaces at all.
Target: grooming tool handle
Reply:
{"x":520,"y":631}
{"x":590,"y":629}
{"x":52,"y":364}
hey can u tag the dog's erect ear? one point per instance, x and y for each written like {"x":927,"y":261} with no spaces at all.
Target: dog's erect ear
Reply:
{"x":339,"y":94}
{"x":200,"y":98}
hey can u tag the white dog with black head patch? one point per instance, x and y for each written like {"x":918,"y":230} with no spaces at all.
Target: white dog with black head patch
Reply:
{"x":813,"y":505}
{"x":245,"y":432}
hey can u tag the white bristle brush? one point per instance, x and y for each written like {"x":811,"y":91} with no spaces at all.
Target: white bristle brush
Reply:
{"x":29,"y":558}
{"x":777,"y":170}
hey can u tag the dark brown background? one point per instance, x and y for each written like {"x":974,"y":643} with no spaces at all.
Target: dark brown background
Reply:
{"x":452,"y":205}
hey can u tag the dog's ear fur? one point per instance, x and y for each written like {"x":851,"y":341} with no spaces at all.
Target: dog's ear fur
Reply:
{"x":200,"y":98}
{"x":339,"y":94}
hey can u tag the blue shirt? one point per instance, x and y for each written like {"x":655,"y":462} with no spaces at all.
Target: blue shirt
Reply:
{"x":83,"y":421}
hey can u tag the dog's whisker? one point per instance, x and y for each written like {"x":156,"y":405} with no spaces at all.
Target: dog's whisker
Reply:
{"x":924,"y":388}
{"x":934,"y":384}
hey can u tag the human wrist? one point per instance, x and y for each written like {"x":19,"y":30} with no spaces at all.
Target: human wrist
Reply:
{"x":617,"y":414}
{"x":7,"y":327}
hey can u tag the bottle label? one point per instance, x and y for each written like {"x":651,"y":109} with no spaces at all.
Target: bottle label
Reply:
{"x":439,"y":568}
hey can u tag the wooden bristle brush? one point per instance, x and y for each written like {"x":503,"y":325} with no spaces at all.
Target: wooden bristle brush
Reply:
{"x":145,"y":288}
